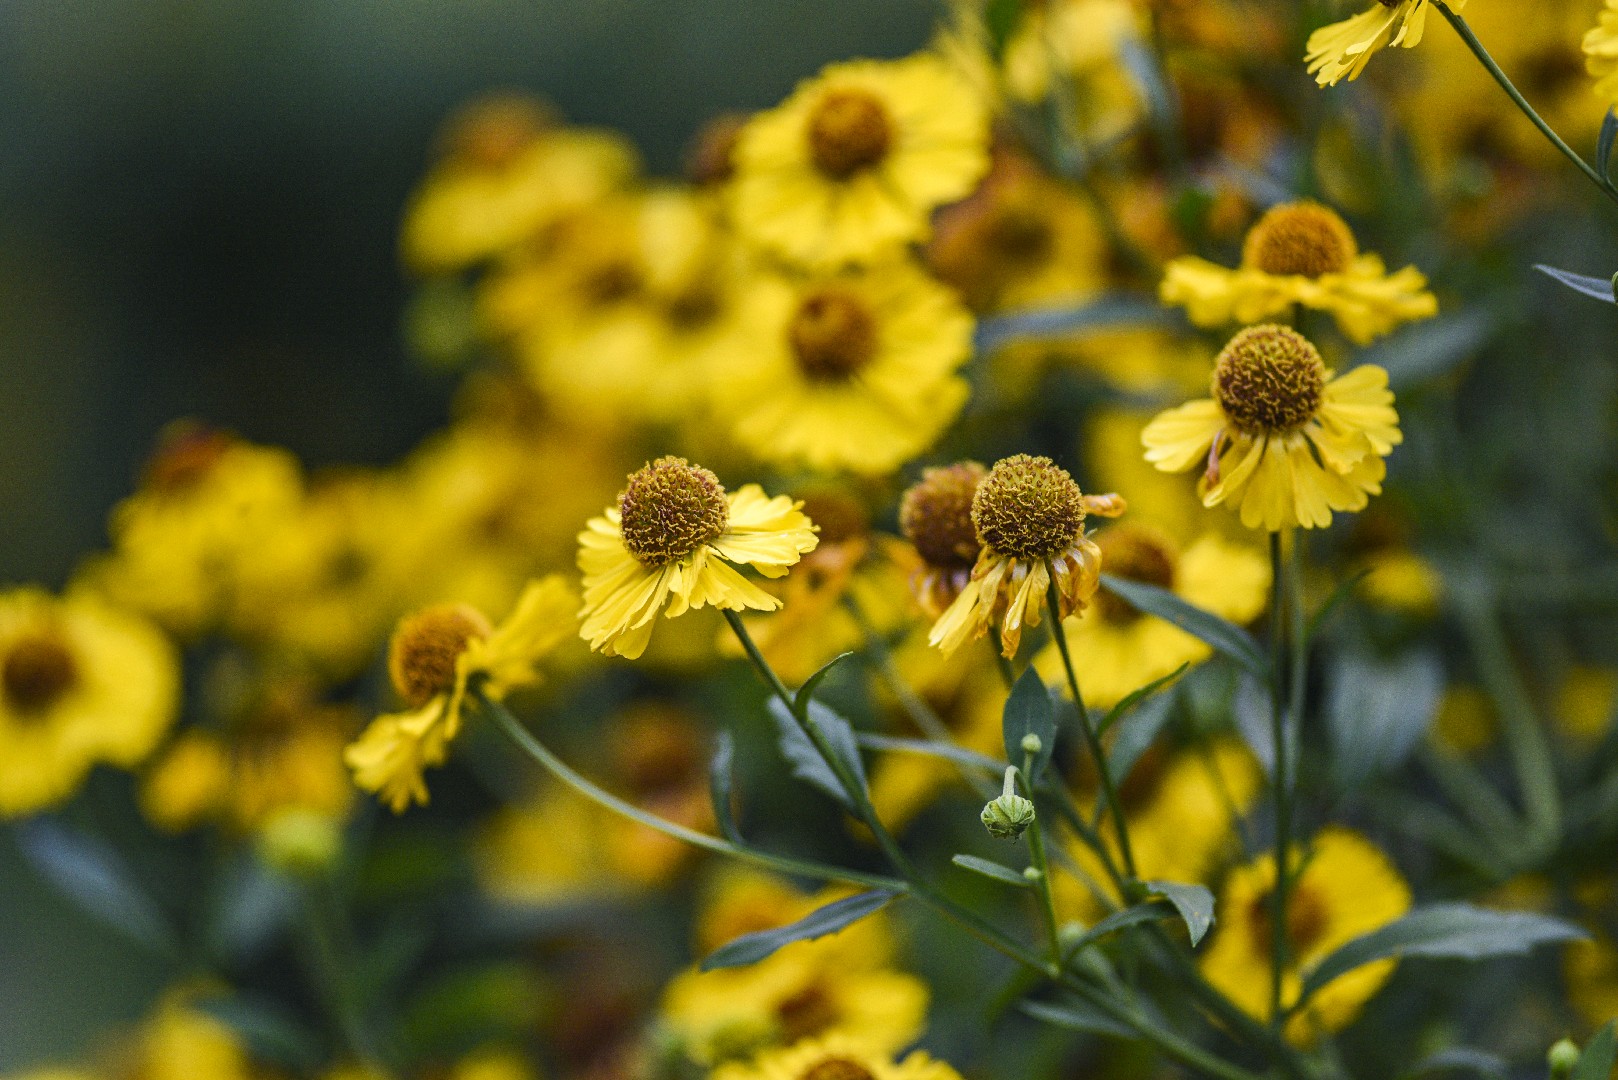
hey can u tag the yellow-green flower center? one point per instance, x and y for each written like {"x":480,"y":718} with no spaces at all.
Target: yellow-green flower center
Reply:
{"x":936,"y":515}
{"x":1301,"y":238}
{"x":38,"y":669}
{"x":669,"y":509}
{"x":833,"y":335}
{"x":1139,"y":554}
{"x":426,"y":646}
{"x":849,"y":130}
{"x":837,"y":1068}
{"x":1028,"y":507}
{"x":1269,"y":380}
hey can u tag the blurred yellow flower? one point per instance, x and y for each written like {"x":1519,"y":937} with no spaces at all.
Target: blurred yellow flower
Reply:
{"x":838,"y":1057}
{"x":1601,"y":53}
{"x":849,"y":167}
{"x":1283,"y":441}
{"x":1585,"y":702}
{"x":1076,"y":48}
{"x":1344,"y":48}
{"x":1465,"y":722}
{"x":80,"y":683}
{"x":675,"y":538}
{"x":433,"y":657}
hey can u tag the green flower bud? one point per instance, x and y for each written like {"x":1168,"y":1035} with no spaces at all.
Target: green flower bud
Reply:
{"x":1562,"y":1058}
{"x":1009,"y":816}
{"x":1031,"y":744}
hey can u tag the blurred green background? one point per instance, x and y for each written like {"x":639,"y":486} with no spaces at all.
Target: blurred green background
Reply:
{"x":198,"y":204}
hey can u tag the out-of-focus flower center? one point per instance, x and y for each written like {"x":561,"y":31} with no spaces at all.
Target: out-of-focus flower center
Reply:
{"x":833,"y":335}
{"x":837,"y":1068}
{"x":1306,"y":919}
{"x":841,"y":516}
{"x":669,"y":509}
{"x":1021,"y":235}
{"x":936,"y":515}
{"x":38,"y":670}
{"x":1028,"y":507}
{"x":849,"y":130}
{"x":710,"y":159}
{"x":1299,"y":238}
{"x":1269,"y":379}
{"x":184,"y":456}
{"x":425,"y":647}
{"x":492,"y":133}
{"x":1139,"y":554}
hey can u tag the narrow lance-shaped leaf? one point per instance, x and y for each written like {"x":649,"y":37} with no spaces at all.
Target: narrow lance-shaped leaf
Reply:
{"x":1077,"y":1016}
{"x":751,"y":948}
{"x":1594,"y":287}
{"x":1194,"y":903}
{"x":806,"y":692}
{"x":1029,"y":711}
{"x":805,"y":760}
{"x":1003,"y":874}
{"x":1121,"y":710}
{"x":1150,"y":911}
{"x":1222,"y":635}
{"x":720,"y":779}
{"x":1609,"y":132}
{"x":1135,"y":737}
{"x":92,"y":875}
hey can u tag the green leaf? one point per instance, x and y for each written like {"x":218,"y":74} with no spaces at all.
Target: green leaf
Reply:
{"x":751,"y":948}
{"x":1150,"y":911}
{"x":251,"y":906}
{"x":806,"y":692}
{"x":1595,"y":1063}
{"x":1444,"y":931}
{"x":1120,"y":710}
{"x":1598,"y":288}
{"x":806,"y":762}
{"x":1135,"y":737}
{"x":1077,"y":1016}
{"x":1222,"y":635}
{"x":1003,"y":874}
{"x":1103,"y":312}
{"x":1427,"y":350}
{"x":89,"y":872}
{"x":960,"y":755}
{"x":720,"y":779}
{"x":1460,"y":1059}
{"x":1609,"y":131}
{"x":1377,"y":711}
{"x":1000,"y":19}
{"x":1194,"y":903}
{"x":1029,"y":711}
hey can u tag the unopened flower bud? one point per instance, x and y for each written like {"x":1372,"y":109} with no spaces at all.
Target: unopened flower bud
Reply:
{"x":1031,"y":744}
{"x":1009,"y":816}
{"x":1562,"y":1059}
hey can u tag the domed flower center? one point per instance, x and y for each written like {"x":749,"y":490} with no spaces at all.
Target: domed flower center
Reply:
{"x":711,"y":157}
{"x":185,"y":454}
{"x":840,"y":515}
{"x":669,"y":509}
{"x":425,"y":647}
{"x":837,"y":1068}
{"x":1307,"y":920}
{"x":1269,"y":380}
{"x":1299,"y":238}
{"x":1021,"y":235}
{"x":1028,"y":507}
{"x":833,"y":335}
{"x":936,"y":515}
{"x":38,"y":670}
{"x":808,"y":1013}
{"x":1139,"y":554}
{"x":849,"y":131}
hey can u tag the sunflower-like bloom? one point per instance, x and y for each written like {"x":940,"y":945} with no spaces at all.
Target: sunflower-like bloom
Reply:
{"x":838,"y":1056}
{"x":849,"y":167}
{"x":851,"y":371}
{"x":675,"y":538}
{"x":1342,"y":49}
{"x":1345,"y":888}
{"x":1601,"y":53}
{"x":1300,"y":253}
{"x":433,"y":657}
{"x":1029,"y":516}
{"x":80,"y":683}
{"x":1284,"y":441}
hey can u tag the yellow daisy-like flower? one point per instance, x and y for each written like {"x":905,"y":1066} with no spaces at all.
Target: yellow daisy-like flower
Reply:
{"x":80,"y":683}
{"x":935,"y":515}
{"x":1345,"y":888}
{"x":1342,"y":49}
{"x":849,"y":167}
{"x":1029,"y":516}
{"x":1284,"y":441}
{"x":1601,"y":53}
{"x":1300,"y":253}
{"x":433,"y":657}
{"x":850,"y":371}
{"x":838,"y":1057}
{"x":675,"y":538}
{"x":1116,"y":649}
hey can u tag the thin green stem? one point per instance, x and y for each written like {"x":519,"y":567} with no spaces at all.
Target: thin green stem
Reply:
{"x":1281,"y":775}
{"x":1521,"y":102}
{"x":1109,"y":790}
{"x":1042,"y":866}
{"x":328,"y":955}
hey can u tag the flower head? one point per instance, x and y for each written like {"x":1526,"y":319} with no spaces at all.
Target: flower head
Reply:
{"x":839,"y":1056}
{"x":1601,"y":53}
{"x":935,"y":515}
{"x":1284,"y":441}
{"x":432,"y":660}
{"x":675,"y":538}
{"x":1029,"y":518}
{"x":1300,"y":253}
{"x":1342,"y":49}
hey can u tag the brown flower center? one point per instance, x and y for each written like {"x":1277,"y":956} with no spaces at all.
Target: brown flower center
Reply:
{"x":38,"y":670}
{"x":840,"y":515}
{"x":807,"y":1013}
{"x":490,"y":134}
{"x":186,"y":452}
{"x":710,"y":159}
{"x":669,"y":509}
{"x":936,"y":515}
{"x":837,"y":1068}
{"x":849,"y":130}
{"x":426,"y":646}
{"x":1021,"y":235}
{"x":1269,"y":380}
{"x":1139,"y":554}
{"x":1307,"y":918}
{"x":1028,"y":507}
{"x":1299,"y":238}
{"x":833,"y":335}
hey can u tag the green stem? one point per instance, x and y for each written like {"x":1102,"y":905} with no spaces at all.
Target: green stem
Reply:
{"x":1280,"y":771}
{"x":1109,"y":790}
{"x":537,"y":750}
{"x":1521,"y":102}
{"x":328,"y":954}
{"x":1042,"y":866}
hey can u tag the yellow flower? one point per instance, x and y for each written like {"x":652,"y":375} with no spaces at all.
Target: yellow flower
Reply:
{"x":545,"y":850}
{"x":1466,"y":722}
{"x":1116,"y":649}
{"x":1584,"y":703}
{"x":838,"y":1057}
{"x":855,"y":370}
{"x":181,"y":1042}
{"x":849,"y":167}
{"x":1400,"y":580}
{"x":1590,"y":969}
{"x":1284,"y":442}
{"x":1344,"y":48}
{"x":433,"y":657}
{"x":1029,"y":516}
{"x":935,"y":515}
{"x":1601,"y":53}
{"x":1345,"y":887}
{"x":1300,"y":253}
{"x":675,"y":538}
{"x":1079,"y":46}
{"x":80,"y":683}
